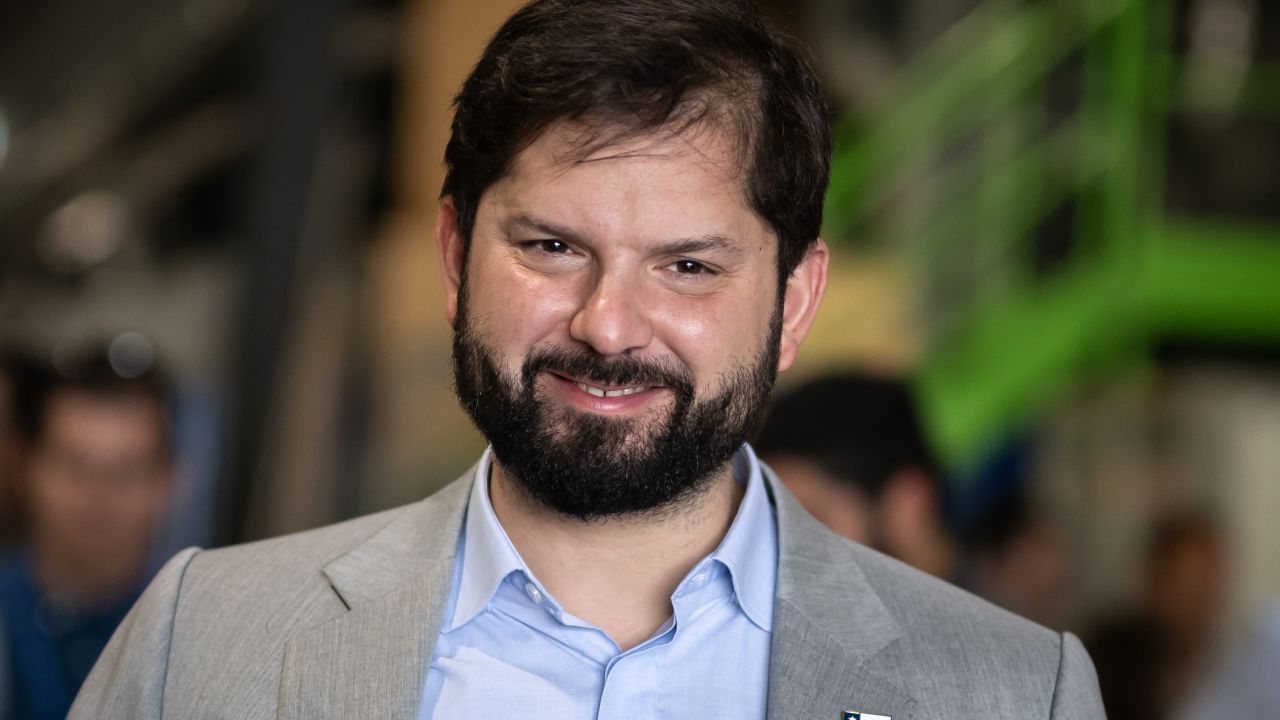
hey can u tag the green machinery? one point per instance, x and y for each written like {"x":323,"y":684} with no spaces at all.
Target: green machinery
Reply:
{"x":1004,"y":336}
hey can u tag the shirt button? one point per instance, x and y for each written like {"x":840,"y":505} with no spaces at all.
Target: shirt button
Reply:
{"x":534,"y":594}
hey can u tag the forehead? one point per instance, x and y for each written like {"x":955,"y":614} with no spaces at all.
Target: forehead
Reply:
{"x":73,"y":415}
{"x":694,"y":176}
{"x":566,"y":145}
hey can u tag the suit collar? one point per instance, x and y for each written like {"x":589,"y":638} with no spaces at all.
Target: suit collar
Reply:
{"x":820,"y":578}
{"x":370,"y":662}
{"x":829,"y":625}
{"x":425,"y":534}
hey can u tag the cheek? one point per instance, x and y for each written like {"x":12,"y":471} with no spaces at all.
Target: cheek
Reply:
{"x":62,"y":505}
{"x":692,"y":327}
{"x":716,"y":328}
{"x":52,"y":491}
{"x":513,"y":310}
{"x":141,"y":501}
{"x":711,"y":335}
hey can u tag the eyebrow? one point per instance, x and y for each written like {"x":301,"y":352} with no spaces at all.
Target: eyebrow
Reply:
{"x":705,"y":243}
{"x":532,"y":223}
{"x":679,"y":246}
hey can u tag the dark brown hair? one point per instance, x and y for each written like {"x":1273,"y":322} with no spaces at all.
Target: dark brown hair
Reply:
{"x":92,"y":373}
{"x":626,"y":67}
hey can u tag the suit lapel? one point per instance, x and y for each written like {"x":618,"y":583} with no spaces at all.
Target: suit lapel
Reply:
{"x":370,"y":662}
{"x":812,"y":676}
{"x":829,"y":625}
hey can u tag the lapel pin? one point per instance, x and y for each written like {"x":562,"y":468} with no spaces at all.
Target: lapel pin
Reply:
{"x":859,"y":715}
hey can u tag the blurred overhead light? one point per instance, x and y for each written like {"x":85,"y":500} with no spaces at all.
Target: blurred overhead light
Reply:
{"x":130,"y":354}
{"x":87,"y":231}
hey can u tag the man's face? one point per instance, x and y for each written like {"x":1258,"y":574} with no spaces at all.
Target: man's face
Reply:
{"x":835,"y":502}
{"x":619,"y":327}
{"x":97,"y":478}
{"x":8,"y":439}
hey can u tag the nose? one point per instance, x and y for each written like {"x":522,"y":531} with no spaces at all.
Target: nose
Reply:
{"x":611,"y":319}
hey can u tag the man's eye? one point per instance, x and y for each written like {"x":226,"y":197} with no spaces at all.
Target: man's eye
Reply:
{"x":690,"y":267}
{"x":554,"y":247}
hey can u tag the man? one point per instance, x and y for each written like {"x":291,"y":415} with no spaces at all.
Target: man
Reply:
{"x":628,"y":236}
{"x":95,"y":480}
{"x":14,"y":374}
{"x":1017,"y":558}
{"x":18,"y":375}
{"x":1243,"y":683}
{"x":852,"y":449}
{"x":1150,"y":657}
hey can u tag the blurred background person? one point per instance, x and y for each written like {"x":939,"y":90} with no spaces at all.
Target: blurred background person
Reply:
{"x":18,"y":376}
{"x":1150,"y":657}
{"x":1244,"y":685}
{"x":93,"y":485}
{"x":1016,"y":557}
{"x":853,"y":451}
{"x":17,"y":380}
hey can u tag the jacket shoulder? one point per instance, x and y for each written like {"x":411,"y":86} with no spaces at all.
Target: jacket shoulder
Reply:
{"x":212,"y":629}
{"x":955,"y":644}
{"x":263,"y":573}
{"x":239,"y":606}
{"x":275,"y":562}
{"x":938,"y":609}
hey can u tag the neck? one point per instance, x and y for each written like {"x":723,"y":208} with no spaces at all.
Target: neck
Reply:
{"x":618,"y":573}
{"x":88,"y":582}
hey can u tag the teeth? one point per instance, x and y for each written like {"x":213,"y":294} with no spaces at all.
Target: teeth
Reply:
{"x":599,"y":392}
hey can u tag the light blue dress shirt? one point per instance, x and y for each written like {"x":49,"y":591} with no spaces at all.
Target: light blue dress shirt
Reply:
{"x":507,"y":649}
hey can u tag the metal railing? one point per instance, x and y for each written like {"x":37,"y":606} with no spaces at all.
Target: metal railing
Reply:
{"x":969,"y":156}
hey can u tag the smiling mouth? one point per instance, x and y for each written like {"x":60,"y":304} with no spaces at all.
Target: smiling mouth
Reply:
{"x":603,"y":393}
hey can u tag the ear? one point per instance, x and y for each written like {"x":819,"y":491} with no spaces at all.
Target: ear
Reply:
{"x":450,"y":252}
{"x":804,"y":293}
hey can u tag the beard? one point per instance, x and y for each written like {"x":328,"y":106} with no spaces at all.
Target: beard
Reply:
{"x":594,"y":467}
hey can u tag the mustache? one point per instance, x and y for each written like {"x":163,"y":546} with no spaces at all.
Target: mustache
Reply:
{"x":597,"y":369}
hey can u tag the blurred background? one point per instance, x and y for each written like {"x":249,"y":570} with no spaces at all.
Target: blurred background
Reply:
{"x":1055,"y":229}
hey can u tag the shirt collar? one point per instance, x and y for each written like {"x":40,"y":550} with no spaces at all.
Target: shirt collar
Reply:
{"x":488,"y":556}
{"x":748,"y":551}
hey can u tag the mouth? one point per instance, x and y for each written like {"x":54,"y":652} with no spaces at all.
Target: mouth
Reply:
{"x":599,"y":397}
{"x":610,"y":392}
